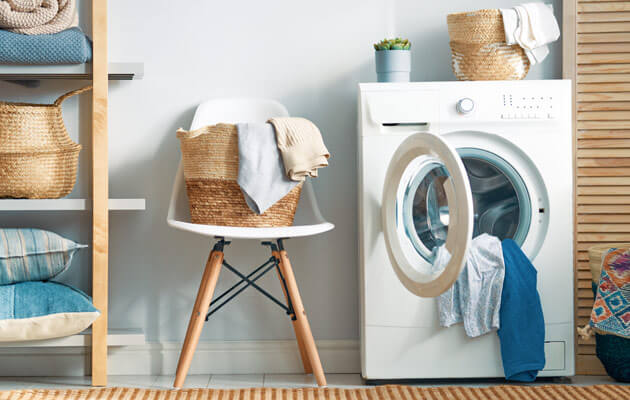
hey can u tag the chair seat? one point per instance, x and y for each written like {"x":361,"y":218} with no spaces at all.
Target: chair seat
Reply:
{"x":232,"y":232}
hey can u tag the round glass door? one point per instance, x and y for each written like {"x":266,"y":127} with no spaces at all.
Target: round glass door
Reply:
{"x":427,"y":213}
{"x":502,"y":204}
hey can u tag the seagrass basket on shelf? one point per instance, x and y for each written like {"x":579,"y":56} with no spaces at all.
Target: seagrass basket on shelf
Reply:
{"x":479,"y":50}
{"x":38,"y":160}
{"x":210,"y":160}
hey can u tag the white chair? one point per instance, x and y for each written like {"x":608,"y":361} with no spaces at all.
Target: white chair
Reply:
{"x":308,"y":221}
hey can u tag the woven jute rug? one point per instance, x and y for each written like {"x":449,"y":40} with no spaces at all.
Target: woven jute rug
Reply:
{"x":547,"y":392}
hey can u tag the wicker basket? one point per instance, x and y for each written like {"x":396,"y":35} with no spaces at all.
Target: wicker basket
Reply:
{"x":478,"y":48}
{"x":210,"y":157}
{"x":38,"y":160}
{"x":595,"y":254}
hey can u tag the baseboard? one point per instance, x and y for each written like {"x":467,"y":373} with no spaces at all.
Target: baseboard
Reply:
{"x":229,"y":357}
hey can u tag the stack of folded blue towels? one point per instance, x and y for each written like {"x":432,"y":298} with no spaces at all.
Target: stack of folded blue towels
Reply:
{"x":42,"y":32}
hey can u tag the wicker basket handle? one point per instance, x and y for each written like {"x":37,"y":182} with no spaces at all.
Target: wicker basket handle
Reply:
{"x":63,"y":97}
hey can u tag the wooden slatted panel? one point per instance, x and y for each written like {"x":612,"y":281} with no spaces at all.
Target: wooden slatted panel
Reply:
{"x":100,"y":192}
{"x":597,"y":58}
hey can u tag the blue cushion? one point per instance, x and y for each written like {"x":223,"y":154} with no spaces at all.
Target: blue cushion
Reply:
{"x":33,"y":255}
{"x":43,"y":310}
{"x":67,"y":47}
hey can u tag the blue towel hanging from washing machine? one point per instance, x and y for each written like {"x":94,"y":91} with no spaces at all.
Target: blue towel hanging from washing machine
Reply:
{"x":522,"y":331}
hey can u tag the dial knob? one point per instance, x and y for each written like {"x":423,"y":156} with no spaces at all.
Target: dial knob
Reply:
{"x":465,"y":106}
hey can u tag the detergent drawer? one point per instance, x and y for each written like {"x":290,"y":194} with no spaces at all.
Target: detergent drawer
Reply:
{"x":406,"y":107}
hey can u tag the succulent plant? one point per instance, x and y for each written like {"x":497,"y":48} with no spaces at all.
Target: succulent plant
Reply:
{"x":393,"y":44}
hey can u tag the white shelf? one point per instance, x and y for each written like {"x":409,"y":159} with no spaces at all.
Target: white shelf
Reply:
{"x":117,"y":71}
{"x":68,"y":204}
{"x":115,"y":337}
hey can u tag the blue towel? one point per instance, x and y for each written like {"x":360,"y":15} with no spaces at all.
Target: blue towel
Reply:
{"x":67,"y":47}
{"x":522,"y":331}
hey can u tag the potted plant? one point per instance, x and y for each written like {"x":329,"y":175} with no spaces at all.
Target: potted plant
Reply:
{"x":393,"y":60}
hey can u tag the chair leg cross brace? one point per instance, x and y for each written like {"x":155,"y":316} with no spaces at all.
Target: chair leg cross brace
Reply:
{"x":294,"y":307}
{"x":250,"y":282}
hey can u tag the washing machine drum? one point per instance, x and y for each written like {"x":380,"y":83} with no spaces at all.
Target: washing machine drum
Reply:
{"x":428,"y":209}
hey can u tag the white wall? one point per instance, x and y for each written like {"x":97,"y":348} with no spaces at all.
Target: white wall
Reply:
{"x":309,"y":55}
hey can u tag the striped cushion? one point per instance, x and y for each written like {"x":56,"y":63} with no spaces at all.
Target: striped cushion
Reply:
{"x":33,"y":255}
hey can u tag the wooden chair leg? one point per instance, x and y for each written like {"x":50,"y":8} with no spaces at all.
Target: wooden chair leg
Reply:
{"x":302,"y":322}
{"x":197,"y":319}
{"x":303,"y":354}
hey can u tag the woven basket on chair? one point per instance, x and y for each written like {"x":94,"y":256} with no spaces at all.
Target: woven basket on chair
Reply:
{"x":478,"y":48}
{"x":210,"y":158}
{"x":38,"y":160}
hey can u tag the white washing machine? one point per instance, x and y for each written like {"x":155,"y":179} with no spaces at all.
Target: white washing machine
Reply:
{"x":439,"y":164}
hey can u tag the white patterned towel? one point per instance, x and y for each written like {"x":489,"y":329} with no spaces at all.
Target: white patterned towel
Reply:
{"x":38,"y":17}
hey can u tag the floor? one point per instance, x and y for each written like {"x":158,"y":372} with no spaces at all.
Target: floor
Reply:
{"x":239,"y":381}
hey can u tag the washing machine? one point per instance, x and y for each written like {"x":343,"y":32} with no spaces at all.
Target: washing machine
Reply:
{"x":441,"y":163}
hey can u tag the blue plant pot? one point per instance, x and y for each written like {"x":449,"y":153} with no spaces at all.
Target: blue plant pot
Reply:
{"x":393,"y":65}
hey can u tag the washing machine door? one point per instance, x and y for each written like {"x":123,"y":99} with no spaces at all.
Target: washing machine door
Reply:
{"x":427,"y":214}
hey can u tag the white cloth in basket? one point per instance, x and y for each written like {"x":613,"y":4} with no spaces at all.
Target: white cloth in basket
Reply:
{"x":261,"y":173}
{"x":532,"y":26}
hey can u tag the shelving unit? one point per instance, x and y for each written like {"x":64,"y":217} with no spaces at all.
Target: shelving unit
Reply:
{"x":115,"y":337}
{"x":100,"y":72}
{"x":68,"y":205}
{"x":117,"y":72}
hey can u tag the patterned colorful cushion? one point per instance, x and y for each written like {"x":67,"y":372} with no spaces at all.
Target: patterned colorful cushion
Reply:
{"x":614,"y":352}
{"x":33,"y":255}
{"x":611,"y":310}
{"x":43,"y":310}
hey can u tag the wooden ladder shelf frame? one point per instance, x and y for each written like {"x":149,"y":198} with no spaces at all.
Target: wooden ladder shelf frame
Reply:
{"x":100,"y":191}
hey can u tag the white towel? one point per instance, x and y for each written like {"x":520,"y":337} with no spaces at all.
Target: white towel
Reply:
{"x":510,"y":23}
{"x":475,"y":298}
{"x":532,"y":26}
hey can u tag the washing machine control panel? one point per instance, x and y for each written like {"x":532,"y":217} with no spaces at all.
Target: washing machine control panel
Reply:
{"x":524,"y":106}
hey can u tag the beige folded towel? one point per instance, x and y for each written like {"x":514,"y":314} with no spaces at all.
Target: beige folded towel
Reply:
{"x":38,"y":17}
{"x":301,"y":145}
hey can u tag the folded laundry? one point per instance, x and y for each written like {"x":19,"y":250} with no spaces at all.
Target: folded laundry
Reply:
{"x":68,"y":47}
{"x":301,"y":145}
{"x":522,"y":331}
{"x":38,"y":17}
{"x":475,"y":298}
{"x":261,"y":173}
{"x":532,"y":26}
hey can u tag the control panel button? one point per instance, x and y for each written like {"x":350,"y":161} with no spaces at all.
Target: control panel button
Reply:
{"x":465,"y":106}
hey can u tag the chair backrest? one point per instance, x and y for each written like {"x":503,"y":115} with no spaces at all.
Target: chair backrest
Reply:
{"x":233,"y":111}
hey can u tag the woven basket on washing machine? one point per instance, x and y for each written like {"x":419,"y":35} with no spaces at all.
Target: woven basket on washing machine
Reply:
{"x":210,"y":159}
{"x":478,"y":48}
